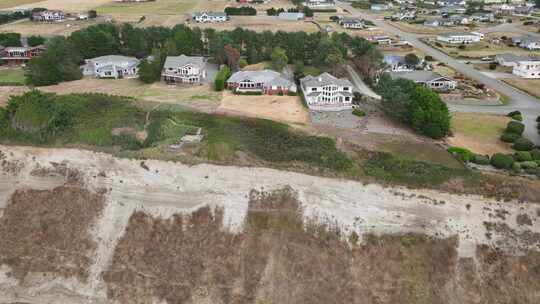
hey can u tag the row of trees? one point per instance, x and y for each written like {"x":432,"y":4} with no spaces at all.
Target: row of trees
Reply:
{"x":415,"y":105}
{"x":9,"y":17}
{"x":225,"y":47}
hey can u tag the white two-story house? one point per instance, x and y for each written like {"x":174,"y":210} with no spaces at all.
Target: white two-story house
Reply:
{"x":327,"y":93}
{"x":458,"y":38}
{"x":112,"y":66}
{"x":49,"y":16}
{"x":184,"y":69}
{"x":527,"y":69}
{"x":210,"y":17}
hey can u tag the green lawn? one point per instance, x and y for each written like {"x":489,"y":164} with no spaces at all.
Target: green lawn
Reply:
{"x":14,"y":3}
{"x":12,"y":76}
{"x":159,"y":7}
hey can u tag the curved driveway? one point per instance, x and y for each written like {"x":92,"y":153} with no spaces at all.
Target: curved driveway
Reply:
{"x":527,"y":104}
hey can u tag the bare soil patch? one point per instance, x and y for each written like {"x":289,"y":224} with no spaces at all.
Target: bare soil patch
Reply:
{"x":279,"y":108}
{"x":7,"y":91}
{"x":48,"y":232}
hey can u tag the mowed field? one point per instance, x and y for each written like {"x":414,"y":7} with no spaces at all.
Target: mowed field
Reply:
{"x":28,"y":28}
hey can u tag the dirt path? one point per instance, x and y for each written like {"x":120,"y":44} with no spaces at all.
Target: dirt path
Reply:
{"x":164,"y":188}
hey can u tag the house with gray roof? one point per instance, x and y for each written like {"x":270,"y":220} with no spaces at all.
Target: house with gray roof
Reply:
{"x":351,"y":23}
{"x":327,"y":92}
{"x":428,"y":79}
{"x":291,"y":16}
{"x":212,"y":17}
{"x":112,"y":66}
{"x":265,"y":82}
{"x":510,"y":60}
{"x":528,"y":42}
{"x":184,"y":69}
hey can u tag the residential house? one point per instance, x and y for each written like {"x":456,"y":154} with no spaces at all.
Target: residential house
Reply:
{"x":327,"y":92}
{"x":459,"y":19}
{"x":264,"y":82}
{"x":382,"y":40}
{"x":523,"y":10}
{"x":397,"y":63}
{"x":19,"y":55}
{"x":432,"y":23}
{"x":291,"y":16}
{"x":451,"y":3}
{"x":482,"y":17}
{"x":505,"y":10}
{"x":510,"y":60}
{"x":211,"y":17}
{"x":453,"y":9}
{"x":494,"y":1}
{"x":351,"y":23}
{"x":49,"y":16}
{"x":527,"y":69}
{"x":319,"y":3}
{"x":527,"y":42}
{"x":428,"y":79}
{"x":184,"y":69}
{"x":380,"y":7}
{"x":458,"y":38}
{"x":406,"y":15}
{"x":112,"y":66}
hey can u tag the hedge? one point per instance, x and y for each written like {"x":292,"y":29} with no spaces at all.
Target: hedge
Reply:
{"x":241,"y":11}
{"x":523,"y":144}
{"x":481,"y":159}
{"x":510,"y":137}
{"x":502,"y":161}
{"x":523,"y":156}
{"x":515,"y":127}
{"x":528,"y":165}
{"x":535,"y":153}
{"x":513,"y":113}
{"x":461,"y":154}
{"x":517,"y":117}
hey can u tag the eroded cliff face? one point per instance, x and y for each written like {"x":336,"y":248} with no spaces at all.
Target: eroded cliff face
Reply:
{"x":79,"y":227}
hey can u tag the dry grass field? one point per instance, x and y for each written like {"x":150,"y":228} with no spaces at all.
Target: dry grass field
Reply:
{"x":4,"y":4}
{"x":160,"y":7}
{"x":66,"y":5}
{"x":279,"y":108}
{"x":479,"y":133}
{"x":259,"y":24}
{"x":27,"y":28}
{"x":531,"y":86}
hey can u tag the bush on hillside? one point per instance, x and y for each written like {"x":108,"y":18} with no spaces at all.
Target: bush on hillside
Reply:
{"x":515,"y":127}
{"x":242,"y":63}
{"x":510,"y":137}
{"x":359,"y":113}
{"x":481,"y":159}
{"x":513,"y":113}
{"x":535,"y":153}
{"x":528,"y":165}
{"x":517,"y":117}
{"x":462,"y":154}
{"x":523,"y":156}
{"x":523,"y":144}
{"x":501,"y":161}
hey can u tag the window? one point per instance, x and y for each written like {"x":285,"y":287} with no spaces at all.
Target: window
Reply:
{"x":313,"y":89}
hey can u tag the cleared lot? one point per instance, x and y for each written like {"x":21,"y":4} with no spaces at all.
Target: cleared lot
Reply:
{"x":531,"y":86}
{"x":14,"y":3}
{"x":71,"y":5}
{"x":162,"y":7}
{"x":479,"y":133}
{"x":27,"y":28}
{"x":280,"y":108}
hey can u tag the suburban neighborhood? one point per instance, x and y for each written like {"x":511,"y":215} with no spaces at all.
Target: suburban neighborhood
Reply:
{"x":269,"y":151}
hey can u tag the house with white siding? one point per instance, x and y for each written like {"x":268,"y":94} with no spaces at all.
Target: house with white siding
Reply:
{"x":112,"y":66}
{"x":527,"y":69}
{"x":49,"y":16}
{"x":184,"y":69}
{"x":210,"y":17}
{"x":265,"y":82}
{"x":428,"y":79}
{"x":458,"y":38}
{"x":351,"y":23}
{"x":327,"y":92}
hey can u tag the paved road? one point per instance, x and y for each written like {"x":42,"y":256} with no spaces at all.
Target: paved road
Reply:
{"x":360,"y":85}
{"x":527,"y":104}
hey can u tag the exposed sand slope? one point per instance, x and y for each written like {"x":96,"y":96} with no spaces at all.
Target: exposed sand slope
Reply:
{"x":164,"y":188}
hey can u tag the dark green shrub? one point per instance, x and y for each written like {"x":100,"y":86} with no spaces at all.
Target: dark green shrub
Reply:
{"x":516,"y":167}
{"x":513,"y":113}
{"x":501,"y":161}
{"x":515,"y":127}
{"x":359,"y":113}
{"x":523,"y":156}
{"x":523,"y":144}
{"x":538,"y":119}
{"x":528,"y":164}
{"x":461,"y":154}
{"x":535,"y":153}
{"x":481,"y":159}
{"x":509,"y":137}
{"x":517,"y":117}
